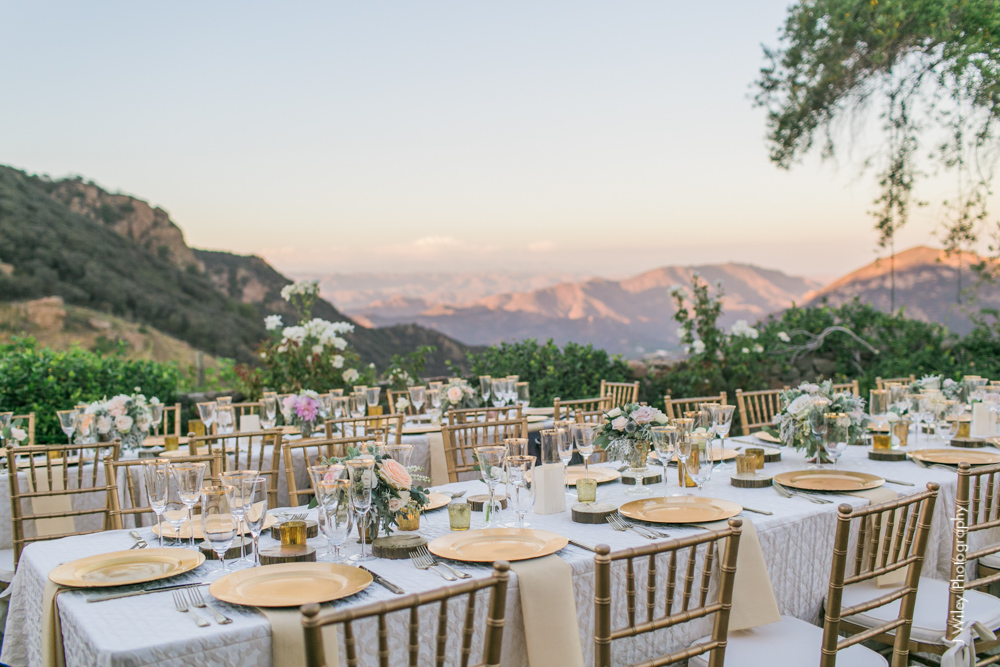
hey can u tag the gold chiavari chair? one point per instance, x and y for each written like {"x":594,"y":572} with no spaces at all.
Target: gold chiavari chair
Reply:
{"x":313,"y":621}
{"x":66,"y":472}
{"x":246,"y":450}
{"x":620,"y":393}
{"x":471,"y":415}
{"x":393,"y":396}
{"x":850,"y":387}
{"x":170,"y":422}
{"x":136,"y":501}
{"x":599,"y":404}
{"x":377,"y":427}
{"x":676,"y":407}
{"x":944,"y":606}
{"x":312,"y":451}
{"x":758,"y":408}
{"x":890,"y":537}
{"x":461,"y":439}
{"x":722,"y":544}
{"x":880,"y":382}
{"x":29,"y":427}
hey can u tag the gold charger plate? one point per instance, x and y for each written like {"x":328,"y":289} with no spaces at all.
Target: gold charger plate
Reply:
{"x":955,"y":455}
{"x":602,"y":475}
{"x":766,"y":437}
{"x":436,"y":501}
{"x":489,"y":544}
{"x":185,"y":533}
{"x":828,"y":480}
{"x":680,"y":509}
{"x":290,"y":584}
{"x":161,"y":440}
{"x":122,"y":568}
{"x":417,"y":429}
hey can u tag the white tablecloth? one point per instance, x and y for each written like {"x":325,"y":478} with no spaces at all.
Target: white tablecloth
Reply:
{"x":146,"y":630}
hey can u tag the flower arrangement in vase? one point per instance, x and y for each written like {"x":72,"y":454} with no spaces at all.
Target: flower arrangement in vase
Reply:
{"x":458,"y":395}
{"x":625,"y":433}
{"x":127,"y":417}
{"x":802,"y":410}
{"x":302,"y":411}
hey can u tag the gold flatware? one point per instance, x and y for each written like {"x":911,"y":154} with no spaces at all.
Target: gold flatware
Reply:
{"x":788,"y":493}
{"x":615,"y":522}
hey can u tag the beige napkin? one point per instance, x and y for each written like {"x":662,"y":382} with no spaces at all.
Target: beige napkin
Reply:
{"x":288,"y":639}
{"x":753,"y":598}
{"x":877,"y":496}
{"x":50,"y":504}
{"x":52,"y":640}
{"x":549,"y":481}
{"x":551,"y":628}
{"x":439,"y":464}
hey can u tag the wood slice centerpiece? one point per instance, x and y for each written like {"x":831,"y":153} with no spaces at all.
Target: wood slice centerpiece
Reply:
{"x":232,"y":552}
{"x":302,"y":553}
{"x":772,"y":454}
{"x":596,"y":513}
{"x":312,"y":530}
{"x":396,"y":547}
{"x":969,"y":443}
{"x":750,"y":480}
{"x":477,"y":502}
{"x":648,"y":477}
{"x":886,"y":454}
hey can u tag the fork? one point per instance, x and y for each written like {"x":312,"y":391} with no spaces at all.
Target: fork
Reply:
{"x":421,"y":564}
{"x":197,"y":599}
{"x":425,"y":554}
{"x":788,"y":493}
{"x":182,"y":606}
{"x":651,"y":531}
{"x":924,"y":464}
{"x":621,"y":527}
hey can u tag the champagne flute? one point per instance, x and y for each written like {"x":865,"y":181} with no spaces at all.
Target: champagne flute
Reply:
{"x":156,"y":412}
{"x":189,"y":478}
{"x":485,"y":385}
{"x":665,"y":442}
{"x":334,"y":514}
{"x":254,"y":495}
{"x":684,"y":446}
{"x":362,"y":478}
{"x":225,"y":419}
{"x":491,"y":466}
{"x":217,"y":521}
{"x":564,"y":447}
{"x":68,"y":421}
{"x":372,"y":395}
{"x":206,"y":411}
{"x":235,"y":479}
{"x":498,"y":388}
{"x":523,"y":394}
{"x":268,"y":412}
{"x":583,"y":438}
{"x":836,"y":434}
{"x":522,"y":494}
{"x":156,"y":475}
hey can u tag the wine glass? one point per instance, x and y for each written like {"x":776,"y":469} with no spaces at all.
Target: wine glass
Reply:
{"x":268,"y":412}
{"x":523,"y":394}
{"x":156,"y":413}
{"x":400,"y":453}
{"x":684,"y":446}
{"x":362,"y":478}
{"x":722,"y":421}
{"x":372,"y":395}
{"x":189,"y":478}
{"x":206,"y":411}
{"x":325,"y":406}
{"x":582,"y":435}
{"x":498,"y":388}
{"x":235,"y":479}
{"x":521,"y":494}
{"x":665,"y":441}
{"x":433,"y":395}
{"x":564,"y":447}
{"x":701,"y":459}
{"x":817,"y":425}
{"x":68,"y":421}
{"x":836,"y":434}
{"x":156,"y":475}
{"x":223,"y":401}
{"x":339,"y":405}
{"x":359,"y":404}
{"x":217,"y":521}
{"x":254,"y":492}
{"x":485,"y":386}
{"x":417,"y":396}
{"x":225,"y":419}
{"x":333,"y":497}
{"x":491,"y":466}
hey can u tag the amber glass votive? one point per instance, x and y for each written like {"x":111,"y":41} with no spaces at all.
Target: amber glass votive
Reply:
{"x":586,"y":490}
{"x":746,"y":464}
{"x":901,"y":430}
{"x":293,"y":533}
{"x":408,"y":518}
{"x":171,"y":443}
{"x":758,"y":456}
{"x":881,"y":440}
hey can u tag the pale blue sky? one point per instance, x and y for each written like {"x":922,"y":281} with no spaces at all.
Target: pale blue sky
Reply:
{"x":594,"y":137}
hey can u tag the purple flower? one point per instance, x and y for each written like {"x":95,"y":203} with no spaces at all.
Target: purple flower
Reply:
{"x":307,"y":408}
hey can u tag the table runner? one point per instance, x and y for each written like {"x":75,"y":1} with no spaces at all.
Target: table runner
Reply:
{"x":550,"y":620}
{"x":288,"y":639}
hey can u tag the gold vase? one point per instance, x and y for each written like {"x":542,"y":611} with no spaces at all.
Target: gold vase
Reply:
{"x":637,"y":457}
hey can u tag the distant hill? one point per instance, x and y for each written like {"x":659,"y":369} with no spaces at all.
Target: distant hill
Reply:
{"x":627,"y":316}
{"x":114,"y":253}
{"x":927,"y":287}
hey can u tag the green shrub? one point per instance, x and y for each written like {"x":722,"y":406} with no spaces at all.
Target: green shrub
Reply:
{"x":42,"y":380}
{"x":575,"y":371}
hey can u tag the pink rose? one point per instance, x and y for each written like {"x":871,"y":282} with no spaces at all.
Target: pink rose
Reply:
{"x":395,"y":504}
{"x":455,"y":394}
{"x":643,"y":414}
{"x":333,"y":473}
{"x":619,"y":423}
{"x":395,"y":474}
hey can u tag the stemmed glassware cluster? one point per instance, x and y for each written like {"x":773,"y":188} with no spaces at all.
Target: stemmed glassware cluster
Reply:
{"x":520,"y":491}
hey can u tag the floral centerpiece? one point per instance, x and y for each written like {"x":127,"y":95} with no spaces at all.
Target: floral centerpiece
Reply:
{"x":458,"y":395}
{"x":302,"y":410}
{"x":13,"y":432}
{"x":625,"y":433}
{"x":126,"y":417}
{"x":799,"y":404}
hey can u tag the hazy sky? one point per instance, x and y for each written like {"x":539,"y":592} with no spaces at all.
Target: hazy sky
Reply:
{"x":594,"y":137}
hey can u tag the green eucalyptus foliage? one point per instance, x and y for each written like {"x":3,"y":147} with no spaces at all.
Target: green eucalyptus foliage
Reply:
{"x":42,"y":380}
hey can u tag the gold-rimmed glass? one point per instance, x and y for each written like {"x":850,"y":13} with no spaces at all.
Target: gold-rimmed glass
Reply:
{"x":190,"y":478}
{"x":362,"y":479}
{"x":218,"y":524}
{"x":235,"y":478}
{"x":491,"y":466}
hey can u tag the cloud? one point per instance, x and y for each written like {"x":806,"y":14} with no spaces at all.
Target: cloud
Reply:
{"x":541,"y":246}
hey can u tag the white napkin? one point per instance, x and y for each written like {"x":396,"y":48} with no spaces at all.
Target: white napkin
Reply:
{"x":962,"y":649}
{"x":551,"y":632}
{"x":548,"y":480}
{"x":288,"y":638}
{"x":982,"y":420}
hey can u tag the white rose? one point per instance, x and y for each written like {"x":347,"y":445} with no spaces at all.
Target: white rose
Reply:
{"x":337,"y":361}
{"x":18,"y":434}
{"x":351,"y":375}
{"x":614,"y":413}
{"x":104,"y":424}
{"x":404,"y":496}
{"x":783,"y":337}
{"x":272,"y":322}
{"x":698,"y":346}
{"x":123,"y":424}
{"x":455,"y":394}
{"x":317,"y":349}
{"x":401,"y":404}
{"x":395,"y":504}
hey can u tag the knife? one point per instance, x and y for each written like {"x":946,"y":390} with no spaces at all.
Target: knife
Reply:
{"x":115,"y":596}
{"x":383,"y":582}
{"x":750,"y":509}
{"x":583,"y":546}
{"x":901,"y":483}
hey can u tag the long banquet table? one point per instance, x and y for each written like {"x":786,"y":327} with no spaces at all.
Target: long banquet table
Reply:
{"x":796,"y":542}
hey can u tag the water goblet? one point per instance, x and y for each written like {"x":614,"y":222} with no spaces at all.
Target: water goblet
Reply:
{"x":722,"y":422}
{"x":156,"y":476}
{"x":206,"y":411}
{"x":359,"y":405}
{"x":522,"y":390}
{"x":225,"y":419}
{"x":68,"y":421}
{"x":337,"y":405}
{"x":498,"y":389}
{"x":665,"y":442}
{"x":235,"y":479}
{"x":189,"y":478}
{"x":564,"y":447}
{"x":417,"y":395}
{"x":491,"y":466}
{"x":333,"y":497}
{"x":582,"y":435}
{"x":485,"y":387}
{"x":217,"y":521}
{"x":701,"y":459}
{"x":362,"y":478}
{"x":521,"y":494}
{"x":268,"y":412}
{"x":372,"y":395}
{"x":254,"y":495}
{"x":836,"y":435}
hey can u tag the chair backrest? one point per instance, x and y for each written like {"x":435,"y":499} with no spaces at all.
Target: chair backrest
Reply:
{"x":133,"y":499}
{"x":600,"y":404}
{"x":757,"y":408}
{"x":890,"y":537}
{"x":248,"y":408}
{"x":170,"y":422}
{"x":694,"y":600}
{"x":977,"y":508}
{"x":676,"y":407}
{"x":461,"y":439}
{"x":246,"y":450}
{"x":376,"y":427}
{"x":312,"y":449}
{"x":55,"y":471}
{"x":851,"y":387}
{"x":471,"y":415}
{"x":880,"y":382}
{"x":393,"y":396}
{"x":620,"y":392}
{"x":30,"y":418}
{"x":313,"y":622}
